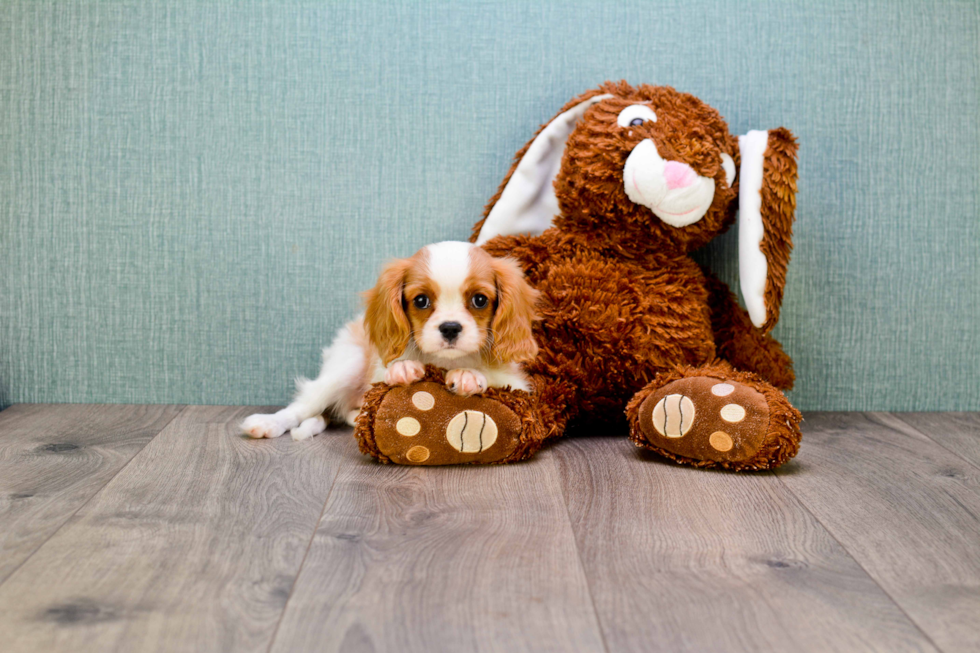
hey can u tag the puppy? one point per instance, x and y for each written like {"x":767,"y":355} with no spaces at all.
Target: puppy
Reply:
{"x":451,"y":305}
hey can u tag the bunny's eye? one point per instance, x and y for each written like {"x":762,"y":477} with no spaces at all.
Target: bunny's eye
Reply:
{"x":635,"y":115}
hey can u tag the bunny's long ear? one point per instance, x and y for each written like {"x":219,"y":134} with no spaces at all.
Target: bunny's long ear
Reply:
{"x":766,"y":204}
{"x":526,"y":202}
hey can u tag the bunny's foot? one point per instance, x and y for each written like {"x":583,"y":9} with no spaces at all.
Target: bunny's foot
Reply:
{"x":715,"y":417}
{"x":426,"y":424}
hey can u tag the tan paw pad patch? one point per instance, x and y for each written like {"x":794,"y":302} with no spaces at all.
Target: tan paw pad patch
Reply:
{"x":721,"y":441}
{"x":673,"y":416}
{"x":471,"y":431}
{"x":732,"y":413}
{"x":722,"y":389}
{"x":423,"y":400}
{"x":408,"y":426}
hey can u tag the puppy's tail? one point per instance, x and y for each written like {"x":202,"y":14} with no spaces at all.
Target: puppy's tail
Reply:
{"x":343,"y":378}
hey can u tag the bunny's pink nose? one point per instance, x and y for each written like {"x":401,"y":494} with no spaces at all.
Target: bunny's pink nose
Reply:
{"x":678,"y":175}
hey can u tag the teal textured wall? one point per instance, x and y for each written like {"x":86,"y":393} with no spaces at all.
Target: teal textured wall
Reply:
{"x":191,"y":193}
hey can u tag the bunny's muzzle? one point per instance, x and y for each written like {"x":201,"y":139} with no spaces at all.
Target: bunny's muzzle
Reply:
{"x":671,"y":189}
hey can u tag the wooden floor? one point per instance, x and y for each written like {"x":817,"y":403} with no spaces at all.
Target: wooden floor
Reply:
{"x":159,"y":528}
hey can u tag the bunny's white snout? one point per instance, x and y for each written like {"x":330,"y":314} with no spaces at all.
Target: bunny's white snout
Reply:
{"x":672,"y":190}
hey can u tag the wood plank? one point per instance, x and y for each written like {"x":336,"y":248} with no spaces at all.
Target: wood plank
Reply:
{"x":54,"y":458}
{"x":193,"y":546}
{"x":956,"y":432}
{"x":906,"y":509}
{"x":682,"y":559}
{"x":442,"y":559}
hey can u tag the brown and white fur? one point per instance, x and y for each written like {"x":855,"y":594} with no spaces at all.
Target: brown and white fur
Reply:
{"x":451,"y":305}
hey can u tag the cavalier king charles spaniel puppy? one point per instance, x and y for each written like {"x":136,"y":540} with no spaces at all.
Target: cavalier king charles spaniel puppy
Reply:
{"x":451,"y":305}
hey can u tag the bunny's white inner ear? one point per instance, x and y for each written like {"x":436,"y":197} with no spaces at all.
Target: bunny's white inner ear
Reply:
{"x":728,"y":165}
{"x":528,"y":203}
{"x":752,"y":265}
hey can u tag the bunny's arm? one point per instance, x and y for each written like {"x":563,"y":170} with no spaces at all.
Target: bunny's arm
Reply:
{"x":742,"y":344}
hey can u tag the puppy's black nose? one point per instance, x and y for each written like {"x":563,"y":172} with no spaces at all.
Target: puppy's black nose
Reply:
{"x":450,"y":330}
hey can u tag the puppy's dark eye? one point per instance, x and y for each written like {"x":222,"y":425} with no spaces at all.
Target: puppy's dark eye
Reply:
{"x":479,"y":301}
{"x":421,"y":302}
{"x":636,"y":122}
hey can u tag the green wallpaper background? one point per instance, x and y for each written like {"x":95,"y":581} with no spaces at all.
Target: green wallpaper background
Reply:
{"x":191,"y":193}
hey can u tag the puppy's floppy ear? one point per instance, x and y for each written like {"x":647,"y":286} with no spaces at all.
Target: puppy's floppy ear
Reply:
{"x":387,"y":324}
{"x":766,"y":205}
{"x":513,"y":318}
{"x":526,"y":201}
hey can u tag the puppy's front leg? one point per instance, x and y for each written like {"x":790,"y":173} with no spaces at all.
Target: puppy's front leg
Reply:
{"x":404,"y":372}
{"x":464,"y":381}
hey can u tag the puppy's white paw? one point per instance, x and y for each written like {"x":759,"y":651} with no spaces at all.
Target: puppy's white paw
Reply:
{"x":263,"y":426}
{"x":309,"y":428}
{"x":404,"y":372}
{"x":466,"y":382}
{"x":270,"y":426}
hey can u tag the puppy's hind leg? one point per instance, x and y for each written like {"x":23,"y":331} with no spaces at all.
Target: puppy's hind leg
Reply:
{"x":310,"y":427}
{"x":312,"y":398}
{"x":341,"y":374}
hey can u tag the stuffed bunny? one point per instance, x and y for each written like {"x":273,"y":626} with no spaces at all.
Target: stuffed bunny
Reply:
{"x":602,"y":209}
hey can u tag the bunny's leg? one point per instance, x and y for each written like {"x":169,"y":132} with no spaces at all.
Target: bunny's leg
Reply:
{"x":715,"y":416}
{"x":426,"y":424}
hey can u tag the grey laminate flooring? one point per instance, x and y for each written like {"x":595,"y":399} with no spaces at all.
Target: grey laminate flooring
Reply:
{"x":159,"y":528}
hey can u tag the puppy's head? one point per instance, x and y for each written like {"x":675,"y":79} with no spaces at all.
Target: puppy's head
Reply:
{"x":452,"y":299}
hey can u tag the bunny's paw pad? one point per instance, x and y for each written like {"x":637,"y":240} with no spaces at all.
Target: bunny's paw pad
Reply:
{"x":425,"y":424}
{"x":703,"y":418}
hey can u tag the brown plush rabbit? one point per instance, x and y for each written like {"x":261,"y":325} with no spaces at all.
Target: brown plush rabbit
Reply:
{"x":602,"y":209}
